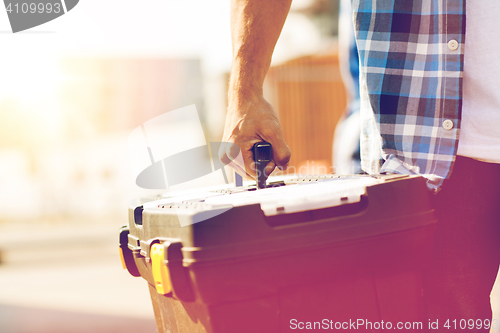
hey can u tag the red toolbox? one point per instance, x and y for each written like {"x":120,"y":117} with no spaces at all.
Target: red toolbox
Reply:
{"x":326,"y":252}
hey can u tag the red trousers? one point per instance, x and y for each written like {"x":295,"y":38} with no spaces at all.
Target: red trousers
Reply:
{"x":466,"y":258}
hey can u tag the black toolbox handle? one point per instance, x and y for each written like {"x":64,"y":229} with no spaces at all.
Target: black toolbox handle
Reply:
{"x":262,"y":154}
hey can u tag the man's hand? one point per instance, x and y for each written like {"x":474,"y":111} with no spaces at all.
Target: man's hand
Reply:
{"x":255,"y":28}
{"x":251,"y":121}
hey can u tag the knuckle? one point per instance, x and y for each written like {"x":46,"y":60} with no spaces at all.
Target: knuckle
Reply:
{"x":269,"y":132}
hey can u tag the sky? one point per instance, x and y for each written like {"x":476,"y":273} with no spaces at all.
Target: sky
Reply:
{"x":163,"y":26}
{"x":172,"y":28}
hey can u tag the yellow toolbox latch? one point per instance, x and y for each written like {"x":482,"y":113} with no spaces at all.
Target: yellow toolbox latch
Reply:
{"x":161,"y":276}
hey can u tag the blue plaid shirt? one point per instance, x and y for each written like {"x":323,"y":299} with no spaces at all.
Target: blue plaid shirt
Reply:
{"x":411,"y":69}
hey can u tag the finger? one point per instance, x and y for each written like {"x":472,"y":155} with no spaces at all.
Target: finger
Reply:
{"x":237,"y":163}
{"x":270,"y":168}
{"x":223,"y":157}
{"x":230,"y":154}
{"x":281,"y":153}
{"x":283,"y":158}
{"x":249,"y":163}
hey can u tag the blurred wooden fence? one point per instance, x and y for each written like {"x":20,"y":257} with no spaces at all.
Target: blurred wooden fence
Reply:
{"x":309,"y":97}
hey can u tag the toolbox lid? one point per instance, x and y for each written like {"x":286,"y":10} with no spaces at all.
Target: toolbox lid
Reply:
{"x":240,"y":224}
{"x":295,"y":197}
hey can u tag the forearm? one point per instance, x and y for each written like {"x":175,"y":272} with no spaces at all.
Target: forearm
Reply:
{"x":255,"y":29}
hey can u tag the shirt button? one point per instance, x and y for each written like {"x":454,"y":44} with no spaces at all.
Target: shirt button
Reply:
{"x":447,"y":124}
{"x":453,"y":45}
